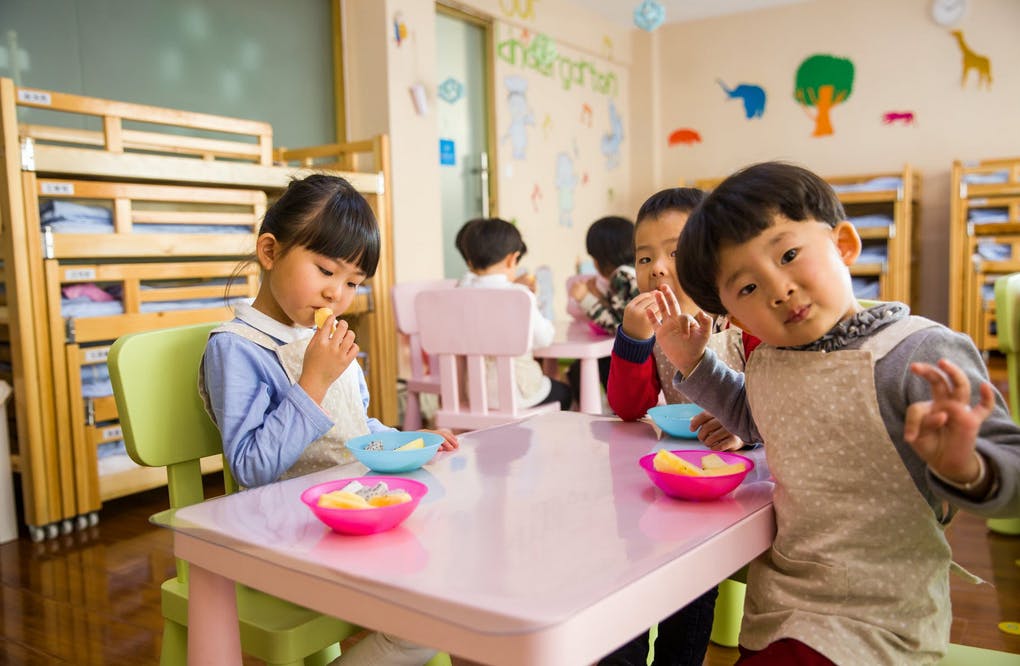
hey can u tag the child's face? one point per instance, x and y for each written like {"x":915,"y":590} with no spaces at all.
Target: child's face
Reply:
{"x":655,"y":242}
{"x":299,"y":282}
{"x":789,"y":285}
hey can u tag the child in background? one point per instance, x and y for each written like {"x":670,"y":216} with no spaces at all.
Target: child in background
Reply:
{"x":875,"y":424}
{"x":610,"y":242}
{"x":638,"y":371}
{"x":285,"y":395}
{"x":492,"y":249}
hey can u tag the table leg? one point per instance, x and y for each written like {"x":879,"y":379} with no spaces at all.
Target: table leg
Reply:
{"x":591,"y":393}
{"x":213,"y":635}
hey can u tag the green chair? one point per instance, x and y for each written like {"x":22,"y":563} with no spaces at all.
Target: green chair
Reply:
{"x":1007,"y":326}
{"x":155,"y":382}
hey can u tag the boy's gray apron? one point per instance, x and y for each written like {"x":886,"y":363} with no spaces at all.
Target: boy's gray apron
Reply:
{"x":860,"y":566}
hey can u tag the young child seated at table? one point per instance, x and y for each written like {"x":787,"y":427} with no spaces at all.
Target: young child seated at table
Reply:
{"x":638,"y":371}
{"x":602,"y":298}
{"x":492,"y":248}
{"x":876,"y":424}
{"x":285,"y":394}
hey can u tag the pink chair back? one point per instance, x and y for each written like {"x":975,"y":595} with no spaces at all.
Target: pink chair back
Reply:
{"x":467,"y":326}
{"x":421,"y":380}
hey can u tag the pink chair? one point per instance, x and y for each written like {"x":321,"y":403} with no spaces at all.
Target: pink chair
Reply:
{"x":420,"y":381}
{"x":466,"y":326}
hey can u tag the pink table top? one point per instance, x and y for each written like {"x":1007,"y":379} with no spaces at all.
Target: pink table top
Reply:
{"x":524,"y":529}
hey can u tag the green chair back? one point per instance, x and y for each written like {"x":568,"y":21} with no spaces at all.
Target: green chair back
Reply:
{"x":1007,"y":329}
{"x":155,"y":384}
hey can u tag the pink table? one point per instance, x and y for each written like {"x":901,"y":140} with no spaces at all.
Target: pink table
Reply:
{"x":575,"y":339}
{"x":540,"y":542}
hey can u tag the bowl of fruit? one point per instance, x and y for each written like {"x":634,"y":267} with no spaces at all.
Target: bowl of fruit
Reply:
{"x":364,"y":504}
{"x":395,"y":452}
{"x":696,"y":474}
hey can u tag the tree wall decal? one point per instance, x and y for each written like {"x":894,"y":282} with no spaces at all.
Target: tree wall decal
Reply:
{"x":823,"y":81}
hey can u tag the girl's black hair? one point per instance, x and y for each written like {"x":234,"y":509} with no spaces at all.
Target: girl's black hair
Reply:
{"x":326,"y":215}
{"x":610,"y":242}
{"x":485,"y":241}
{"x":741,"y":207}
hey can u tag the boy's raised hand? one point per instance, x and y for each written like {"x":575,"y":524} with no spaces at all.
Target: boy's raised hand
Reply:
{"x":943,"y":431}
{"x":682,"y":337}
{"x":330,"y":352}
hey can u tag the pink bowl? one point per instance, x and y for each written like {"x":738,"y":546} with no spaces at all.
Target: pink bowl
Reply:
{"x":365,"y":521}
{"x":596,"y":329}
{"x":696,"y":487}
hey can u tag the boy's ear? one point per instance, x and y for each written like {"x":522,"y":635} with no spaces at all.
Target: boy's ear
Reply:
{"x":848,"y":241}
{"x":267,"y":250}
{"x":510,"y":260}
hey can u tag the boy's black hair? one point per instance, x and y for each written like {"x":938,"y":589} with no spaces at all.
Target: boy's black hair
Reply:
{"x":326,"y":215}
{"x":485,"y":241}
{"x":679,"y":199}
{"x":458,"y":240}
{"x":740,"y":208}
{"x":610,"y":242}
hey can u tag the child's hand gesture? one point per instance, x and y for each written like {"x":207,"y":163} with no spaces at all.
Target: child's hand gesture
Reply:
{"x":635,"y":322}
{"x":682,"y":337}
{"x":578,"y":290}
{"x":327,"y":357}
{"x":943,"y":431}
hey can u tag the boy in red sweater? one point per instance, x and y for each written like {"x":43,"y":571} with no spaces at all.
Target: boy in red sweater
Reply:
{"x":638,"y":371}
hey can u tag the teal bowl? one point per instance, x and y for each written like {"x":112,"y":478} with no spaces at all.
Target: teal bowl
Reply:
{"x":389,"y":461}
{"x":675,"y":420}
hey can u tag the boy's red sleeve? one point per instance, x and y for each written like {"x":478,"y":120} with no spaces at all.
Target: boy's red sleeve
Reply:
{"x":633,"y":387}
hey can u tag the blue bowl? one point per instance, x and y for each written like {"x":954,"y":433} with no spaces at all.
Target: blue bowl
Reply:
{"x":675,"y":420}
{"x":390,"y":461}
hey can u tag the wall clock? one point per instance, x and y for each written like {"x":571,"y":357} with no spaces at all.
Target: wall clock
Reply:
{"x":948,"y":12}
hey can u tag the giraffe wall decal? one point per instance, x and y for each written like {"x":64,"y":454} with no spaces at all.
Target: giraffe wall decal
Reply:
{"x":972,"y":60}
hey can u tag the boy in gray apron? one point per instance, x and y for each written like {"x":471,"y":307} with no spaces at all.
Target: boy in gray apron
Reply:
{"x":875,"y":423}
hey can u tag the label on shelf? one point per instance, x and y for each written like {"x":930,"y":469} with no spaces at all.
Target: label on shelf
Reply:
{"x":96,"y":355}
{"x":29,"y":96}
{"x":80,"y":274}
{"x":113,"y":432}
{"x":58,"y":189}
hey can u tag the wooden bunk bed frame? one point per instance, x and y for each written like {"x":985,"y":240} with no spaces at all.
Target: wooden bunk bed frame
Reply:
{"x":969,"y":311}
{"x":145,"y":176}
{"x":895,"y":274}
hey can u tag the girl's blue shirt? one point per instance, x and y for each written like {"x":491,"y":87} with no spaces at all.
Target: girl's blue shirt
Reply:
{"x":265,"y":420}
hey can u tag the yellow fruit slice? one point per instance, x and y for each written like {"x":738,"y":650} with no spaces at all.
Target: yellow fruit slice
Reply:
{"x":732,"y":468}
{"x":671,"y":463}
{"x":413,"y":444}
{"x":712,"y":461}
{"x":322,"y":315}
{"x":389,"y":499}
{"x":341,"y":499}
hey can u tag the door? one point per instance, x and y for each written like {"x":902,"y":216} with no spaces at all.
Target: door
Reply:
{"x":464,"y":114}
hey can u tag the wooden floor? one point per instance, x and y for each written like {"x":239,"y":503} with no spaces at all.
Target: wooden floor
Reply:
{"x":92,"y":597}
